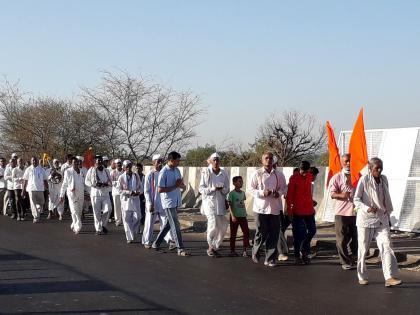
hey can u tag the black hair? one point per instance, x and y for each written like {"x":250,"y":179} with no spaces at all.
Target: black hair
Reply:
{"x":305,"y":165}
{"x":314,"y":170}
{"x":74,"y":158}
{"x":236,"y":178}
{"x":174,"y":155}
{"x":69,"y":156}
{"x":98,"y":157}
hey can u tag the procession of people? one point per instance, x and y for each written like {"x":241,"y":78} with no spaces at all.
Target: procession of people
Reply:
{"x":362,"y":212}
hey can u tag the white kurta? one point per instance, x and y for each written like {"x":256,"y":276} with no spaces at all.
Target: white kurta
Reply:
{"x":54,"y":194}
{"x":130,"y":205}
{"x":116,"y":196}
{"x":74,"y":185}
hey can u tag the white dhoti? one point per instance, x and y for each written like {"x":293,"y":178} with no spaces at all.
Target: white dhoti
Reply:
{"x":131,"y":215}
{"x":216,"y":229}
{"x":37,"y":201}
{"x":149,"y":222}
{"x":383,"y":240}
{"x":54,"y":199}
{"x":76,"y":207}
{"x":101,"y":207}
{"x":117,"y":209}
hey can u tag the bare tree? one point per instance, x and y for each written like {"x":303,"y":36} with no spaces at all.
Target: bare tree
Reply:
{"x":293,"y":136}
{"x":144,"y":117}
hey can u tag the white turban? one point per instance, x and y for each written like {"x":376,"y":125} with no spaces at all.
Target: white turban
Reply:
{"x":156,"y":157}
{"x":105,"y":158}
{"x":127,"y":162}
{"x":117,"y":161}
{"x":214,"y":156}
{"x":80,"y":158}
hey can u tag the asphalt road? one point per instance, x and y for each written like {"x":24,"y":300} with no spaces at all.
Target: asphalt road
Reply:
{"x":46,"y":269}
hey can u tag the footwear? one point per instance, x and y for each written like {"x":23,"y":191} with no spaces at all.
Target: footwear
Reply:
{"x":147,"y":246}
{"x":98,"y":233}
{"x":283,"y":257}
{"x":49,"y":216}
{"x":35,"y":221}
{"x":117,"y":223}
{"x":255,"y":259}
{"x":104,"y":230}
{"x":269,"y":263}
{"x":210,"y":253}
{"x":22,"y":219}
{"x":233,"y":254}
{"x":346,"y":267}
{"x":109,"y":220}
{"x":60,"y":217}
{"x":245,"y":254}
{"x":183,"y":253}
{"x":298,"y":261}
{"x":172,"y":245}
{"x":76,"y":232}
{"x":12,"y":216}
{"x":129,"y":242}
{"x":365,"y":282}
{"x":306,"y":259}
{"x":217,"y":254}
{"x":392,"y":282}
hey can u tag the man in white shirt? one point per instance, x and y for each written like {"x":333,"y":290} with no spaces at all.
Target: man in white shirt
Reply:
{"x":2,"y":183}
{"x":35,"y":183}
{"x":74,"y":185}
{"x":11,"y":200}
{"x":17,"y":178}
{"x":214,"y":187}
{"x":116,"y":197}
{"x":267,"y":186}
{"x":154,"y":209}
{"x":84,"y":171}
{"x":99,"y":181}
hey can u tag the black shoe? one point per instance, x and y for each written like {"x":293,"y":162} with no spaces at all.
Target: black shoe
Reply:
{"x":306,"y":259}
{"x":298,"y":261}
{"x":98,"y":233}
{"x":104,"y":230}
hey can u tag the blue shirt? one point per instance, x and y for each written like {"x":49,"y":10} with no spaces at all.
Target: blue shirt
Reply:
{"x":167,"y":178}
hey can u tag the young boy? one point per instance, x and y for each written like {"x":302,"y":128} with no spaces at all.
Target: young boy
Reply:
{"x":236,"y":199}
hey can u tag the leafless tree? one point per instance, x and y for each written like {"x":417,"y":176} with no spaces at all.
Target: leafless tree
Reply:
{"x":145,"y":117}
{"x":292,"y":136}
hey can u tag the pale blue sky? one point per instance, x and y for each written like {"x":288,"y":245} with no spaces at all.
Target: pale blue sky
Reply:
{"x":246,"y":59}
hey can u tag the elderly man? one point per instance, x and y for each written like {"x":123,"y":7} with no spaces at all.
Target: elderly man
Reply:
{"x":214,"y":187}
{"x":154,"y":208}
{"x":116,"y":195}
{"x":84,"y":171}
{"x":374,"y":206}
{"x":74,"y":185}
{"x":3,"y":187}
{"x":267,"y":186}
{"x":11,"y":198}
{"x":55,"y":181}
{"x":99,"y":181}
{"x":35,"y":183}
{"x":341,"y":189}
{"x":17,"y":178}
{"x":130,"y":187}
{"x":170,"y":183}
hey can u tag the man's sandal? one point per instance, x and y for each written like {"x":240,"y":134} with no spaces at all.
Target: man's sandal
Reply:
{"x":184,"y":253}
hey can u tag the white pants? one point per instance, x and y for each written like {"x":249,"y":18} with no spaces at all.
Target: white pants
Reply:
{"x":37,"y":201}
{"x":54,"y":199}
{"x":383,"y":240}
{"x":216,"y":229}
{"x":76,"y":208}
{"x":149,"y":222}
{"x":131,"y":221}
{"x":117,"y":208}
{"x":101,"y":206}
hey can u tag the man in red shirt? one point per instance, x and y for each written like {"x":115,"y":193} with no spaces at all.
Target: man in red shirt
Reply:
{"x":301,"y":208}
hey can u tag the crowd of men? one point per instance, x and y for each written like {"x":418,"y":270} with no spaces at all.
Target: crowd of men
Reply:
{"x":137,"y":202}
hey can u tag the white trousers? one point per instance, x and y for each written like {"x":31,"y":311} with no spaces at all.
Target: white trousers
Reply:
{"x":54,"y":199}
{"x":37,"y":201}
{"x":149,"y":222}
{"x":383,"y":240}
{"x":131,"y":221}
{"x":76,"y":208}
{"x":216,"y":229}
{"x":117,"y":208}
{"x":101,"y":207}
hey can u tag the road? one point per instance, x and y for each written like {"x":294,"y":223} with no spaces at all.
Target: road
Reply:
{"x":46,"y":269}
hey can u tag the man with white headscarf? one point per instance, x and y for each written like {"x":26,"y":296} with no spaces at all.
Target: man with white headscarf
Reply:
{"x":154,"y":209}
{"x":55,"y":181}
{"x":214,"y":187}
{"x":130,"y":187}
{"x":99,"y":181}
{"x":374,"y":206}
{"x":74,"y":186}
{"x":116,"y":197}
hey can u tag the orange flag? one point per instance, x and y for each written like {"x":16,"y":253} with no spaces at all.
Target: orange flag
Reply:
{"x":88,"y":161}
{"x":358,"y":149}
{"x":334,"y":162}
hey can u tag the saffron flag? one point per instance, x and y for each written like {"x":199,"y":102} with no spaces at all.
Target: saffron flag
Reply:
{"x":88,"y":161}
{"x":45,"y":159}
{"x":358,"y":149}
{"x":334,"y":162}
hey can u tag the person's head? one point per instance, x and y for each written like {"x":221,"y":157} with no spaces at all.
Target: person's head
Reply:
{"x":69,"y":158}
{"x":296,"y":171}
{"x":80,"y":159}
{"x":267,"y":160}
{"x":34,"y":161}
{"x":75,"y":163}
{"x":20,"y":163}
{"x":56,"y":163}
{"x":14,"y":156}
{"x":139,"y":168}
{"x":105,"y":160}
{"x":128,"y":166}
{"x":118,"y":164}
{"x":2,"y":162}
{"x":99,"y":162}
{"x":376,"y":167}
{"x":173,"y":159}
{"x":314,"y":171}
{"x":13,"y":163}
{"x":157,"y":161}
{"x":237,"y":182}
{"x":345,"y":162}
{"x":304,"y":167}
{"x":214,"y":160}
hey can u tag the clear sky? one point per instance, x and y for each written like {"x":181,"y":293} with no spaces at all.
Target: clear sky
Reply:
{"x":247,"y":59}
